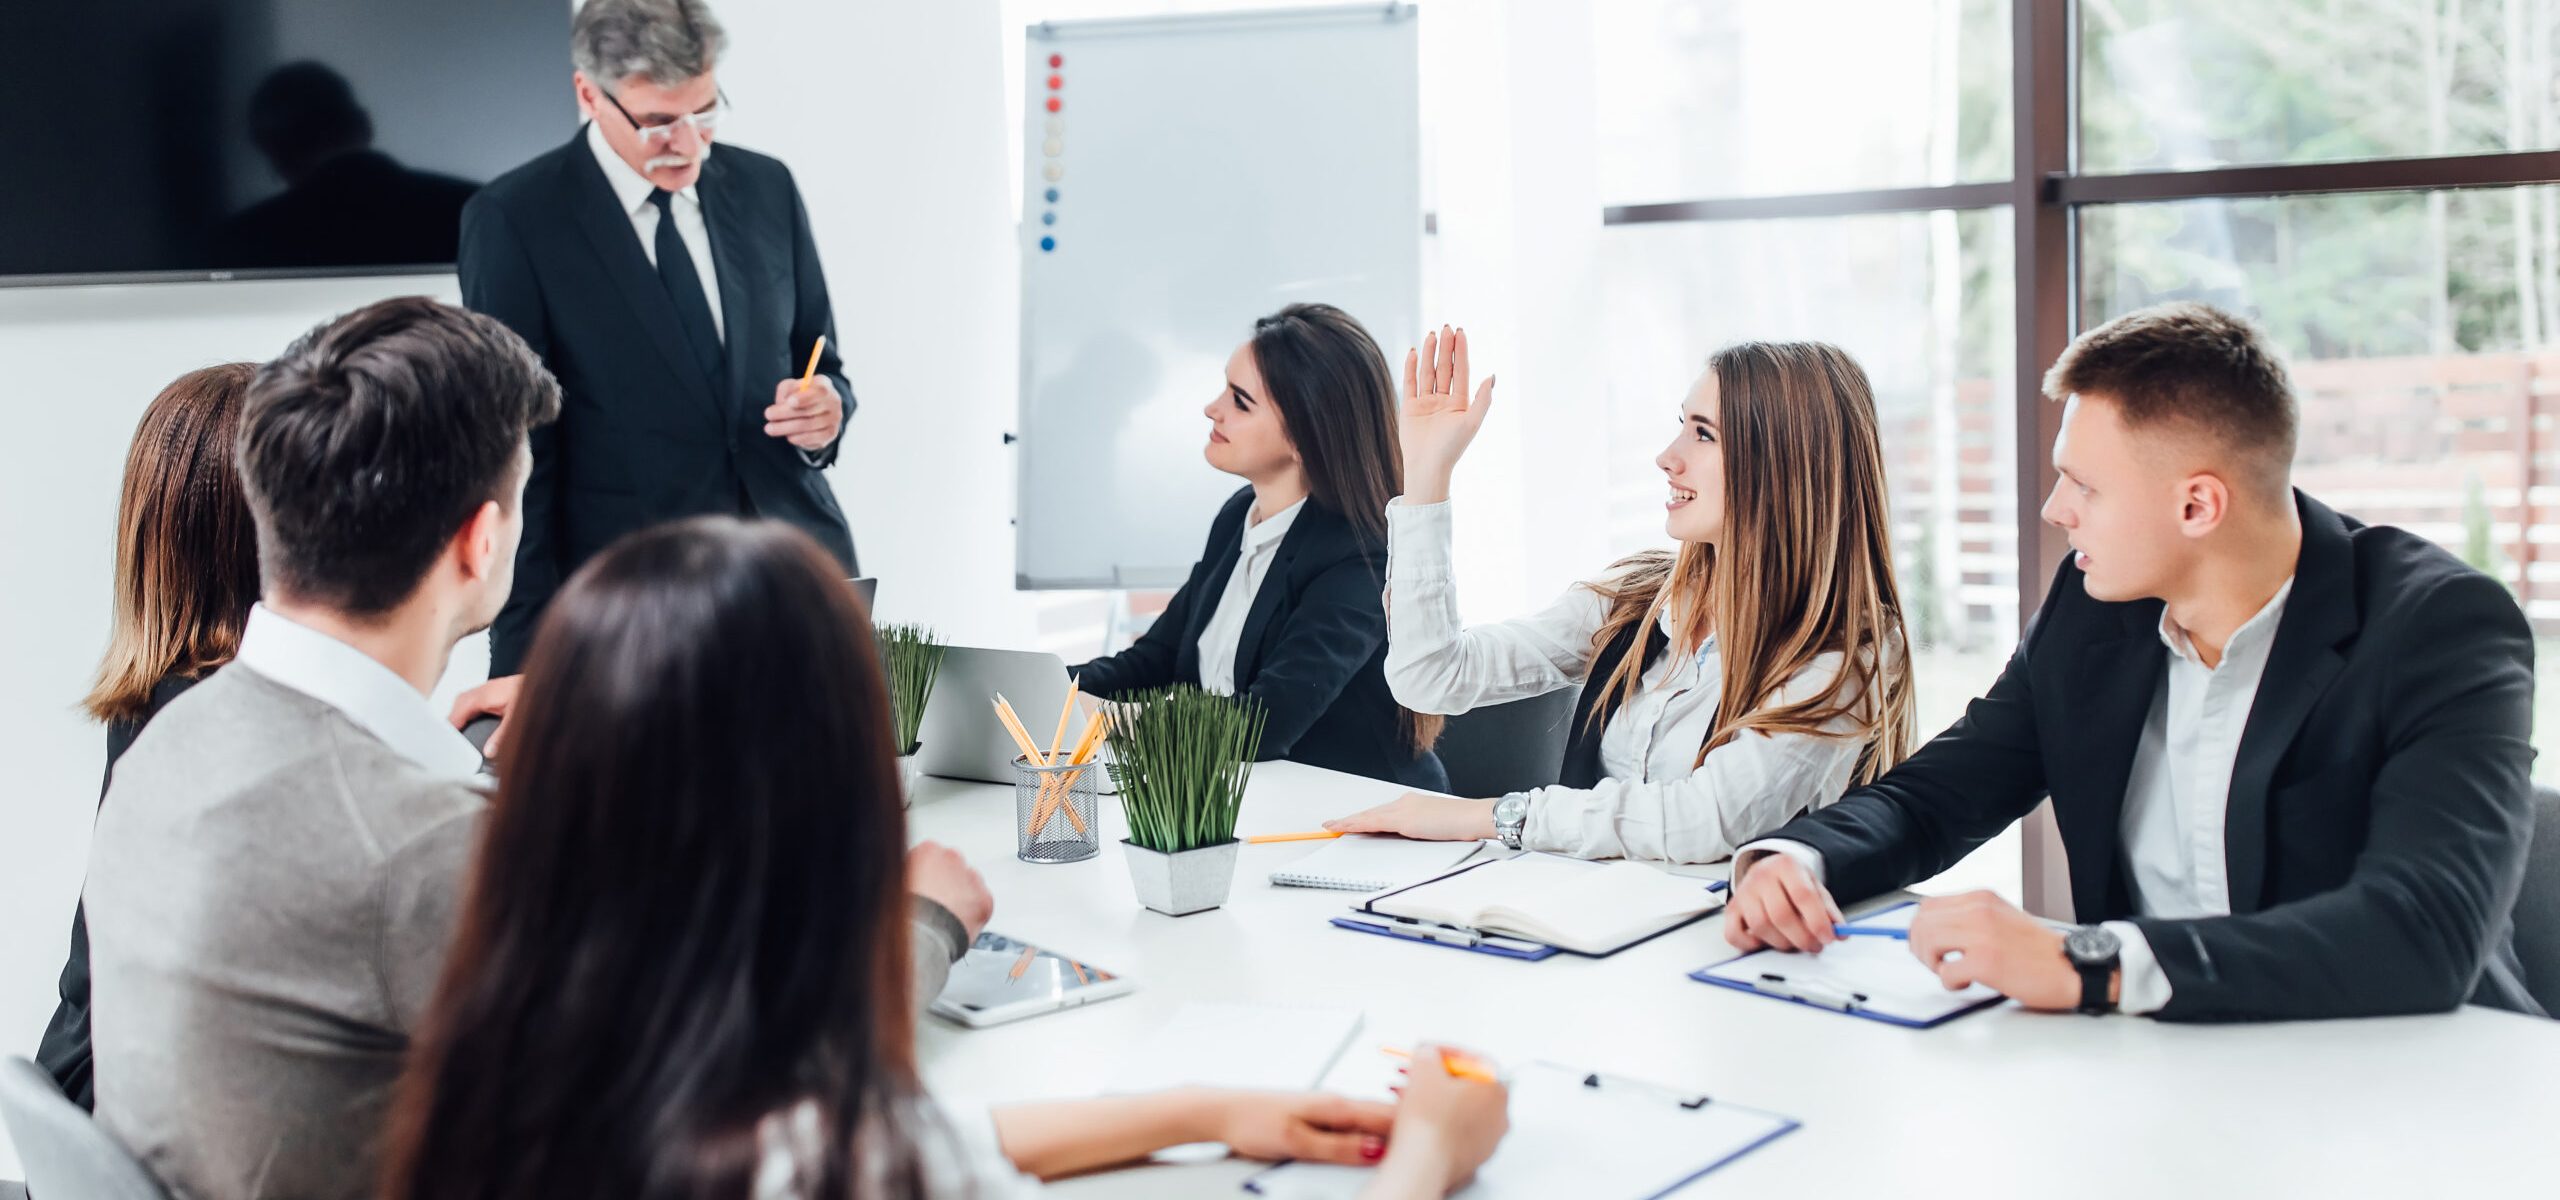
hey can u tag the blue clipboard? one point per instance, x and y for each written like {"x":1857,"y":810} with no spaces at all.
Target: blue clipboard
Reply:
{"x":1846,"y":1007}
{"x":1365,"y":919}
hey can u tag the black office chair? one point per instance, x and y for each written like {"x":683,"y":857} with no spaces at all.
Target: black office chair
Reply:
{"x":1505,"y":748}
{"x":2538,"y":905}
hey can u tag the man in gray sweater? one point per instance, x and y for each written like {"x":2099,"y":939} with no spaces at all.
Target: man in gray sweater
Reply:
{"x":277,"y":865}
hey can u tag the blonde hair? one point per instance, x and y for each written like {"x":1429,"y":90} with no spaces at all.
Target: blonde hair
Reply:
{"x":186,"y":550}
{"x":1804,"y":566}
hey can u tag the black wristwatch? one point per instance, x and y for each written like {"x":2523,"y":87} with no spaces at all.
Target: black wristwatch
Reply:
{"x":2094,"y":952}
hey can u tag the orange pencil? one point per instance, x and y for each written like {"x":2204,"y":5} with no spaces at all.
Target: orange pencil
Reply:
{"x":811,"y":372}
{"x":1456,"y":1064}
{"x":1312,"y":835}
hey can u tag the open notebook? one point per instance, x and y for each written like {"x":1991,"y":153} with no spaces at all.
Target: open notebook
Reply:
{"x":1585,"y":907}
{"x":1365,"y":863}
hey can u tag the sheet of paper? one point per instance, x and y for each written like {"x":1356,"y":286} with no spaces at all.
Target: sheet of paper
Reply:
{"x":1621,"y":1140}
{"x":1883,"y":969}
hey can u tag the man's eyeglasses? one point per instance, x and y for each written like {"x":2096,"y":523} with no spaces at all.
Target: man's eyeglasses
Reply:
{"x":658,"y":131}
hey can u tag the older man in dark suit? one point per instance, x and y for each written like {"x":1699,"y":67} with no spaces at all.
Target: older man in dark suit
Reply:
{"x":675,"y":292}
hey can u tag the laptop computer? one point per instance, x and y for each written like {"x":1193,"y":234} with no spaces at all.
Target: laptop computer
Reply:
{"x":866,"y":587}
{"x":962,"y":739}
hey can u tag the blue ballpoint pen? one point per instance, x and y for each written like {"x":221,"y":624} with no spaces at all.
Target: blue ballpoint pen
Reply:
{"x":1899,"y":935}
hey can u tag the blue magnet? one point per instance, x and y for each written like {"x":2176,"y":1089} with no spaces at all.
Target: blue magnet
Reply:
{"x":1048,"y":243}
{"x":1051,"y":195}
{"x":1048,"y":218}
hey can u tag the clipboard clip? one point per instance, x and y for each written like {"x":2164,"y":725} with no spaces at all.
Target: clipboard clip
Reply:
{"x":1819,"y":995}
{"x":1429,"y":931}
{"x":1692,"y":1101}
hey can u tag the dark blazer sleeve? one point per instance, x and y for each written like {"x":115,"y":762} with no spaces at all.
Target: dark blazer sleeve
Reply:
{"x":813,"y":315}
{"x":498,"y":279}
{"x":1149,"y":661}
{"x":1333,"y":630}
{"x":1966,"y":785}
{"x":2451,"y":810}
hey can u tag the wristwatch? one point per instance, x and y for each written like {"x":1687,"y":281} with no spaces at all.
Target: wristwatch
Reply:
{"x":1510,"y":817}
{"x":2093,"y":952}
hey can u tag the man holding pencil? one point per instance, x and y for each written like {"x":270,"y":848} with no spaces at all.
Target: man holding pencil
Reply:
{"x":677,"y":296}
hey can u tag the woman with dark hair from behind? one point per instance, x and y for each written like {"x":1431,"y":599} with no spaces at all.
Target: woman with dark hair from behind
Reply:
{"x":681,"y":967}
{"x":186,"y":574}
{"x":1284,"y":604}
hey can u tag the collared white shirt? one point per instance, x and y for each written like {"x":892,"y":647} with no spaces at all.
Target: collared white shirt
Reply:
{"x":368,"y":693}
{"x":633,"y":190}
{"x":1657,"y":800}
{"x":2177,"y":795}
{"x":1222,"y":636}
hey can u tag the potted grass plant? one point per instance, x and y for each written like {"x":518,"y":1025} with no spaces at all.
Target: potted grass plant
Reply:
{"x":911,"y":658}
{"x":1181,"y":758}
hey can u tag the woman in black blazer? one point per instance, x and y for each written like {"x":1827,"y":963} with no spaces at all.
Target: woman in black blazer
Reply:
{"x":1285,"y":603}
{"x":186,"y":574}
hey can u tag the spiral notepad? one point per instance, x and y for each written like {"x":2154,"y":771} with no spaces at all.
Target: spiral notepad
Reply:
{"x":1372,"y":864}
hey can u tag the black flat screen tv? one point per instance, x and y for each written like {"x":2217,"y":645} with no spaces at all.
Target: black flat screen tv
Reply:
{"x":221,"y":139}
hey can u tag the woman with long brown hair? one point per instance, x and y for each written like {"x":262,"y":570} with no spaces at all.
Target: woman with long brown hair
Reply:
{"x":186,"y":574}
{"x":1755,"y":673}
{"x":1283,"y":605}
{"x":681,"y":967}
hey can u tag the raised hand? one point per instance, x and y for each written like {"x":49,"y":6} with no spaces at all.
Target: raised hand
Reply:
{"x":1439,"y":418}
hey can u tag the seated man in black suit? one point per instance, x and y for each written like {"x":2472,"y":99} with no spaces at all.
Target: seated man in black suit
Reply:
{"x":2287,"y":752}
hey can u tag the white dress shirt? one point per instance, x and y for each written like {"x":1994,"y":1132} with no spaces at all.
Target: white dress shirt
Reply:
{"x":1224,"y":633}
{"x":373,"y":696}
{"x":2176,"y":796}
{"x":633,"y":189}
{"x":1657,"y":800}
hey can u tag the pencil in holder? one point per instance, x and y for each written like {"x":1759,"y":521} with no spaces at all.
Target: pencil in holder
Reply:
{"x":1054,"y":811}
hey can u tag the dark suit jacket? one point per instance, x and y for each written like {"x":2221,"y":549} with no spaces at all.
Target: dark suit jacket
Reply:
{"x":2379,"y":808}
{"x":644,"y":435}
{"x":1314,"y":650}
{"x":64,"y":1050}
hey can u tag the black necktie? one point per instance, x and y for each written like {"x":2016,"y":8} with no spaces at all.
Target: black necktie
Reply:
{"x":675,"y":269}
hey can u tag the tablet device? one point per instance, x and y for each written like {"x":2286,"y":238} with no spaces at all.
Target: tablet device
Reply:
{"x":1001,"y":979}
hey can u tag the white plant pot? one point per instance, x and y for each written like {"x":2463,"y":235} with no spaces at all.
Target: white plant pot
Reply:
{"x":908,"y":774}
{"x":1184,"y":882}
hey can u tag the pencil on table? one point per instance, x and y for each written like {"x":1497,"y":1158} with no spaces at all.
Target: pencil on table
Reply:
{"x":1312,"y":835}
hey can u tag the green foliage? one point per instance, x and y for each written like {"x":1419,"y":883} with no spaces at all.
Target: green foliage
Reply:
{"x":911,"y":658}
{"x":1181,"y":757}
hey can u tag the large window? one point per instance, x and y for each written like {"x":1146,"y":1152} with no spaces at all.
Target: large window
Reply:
{"x":2365,"y":178}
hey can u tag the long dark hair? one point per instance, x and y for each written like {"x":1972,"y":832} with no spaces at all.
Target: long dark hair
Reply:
{"x":689,"y":911}
{"x":186,"y":548}
{"x":1337,"y":400}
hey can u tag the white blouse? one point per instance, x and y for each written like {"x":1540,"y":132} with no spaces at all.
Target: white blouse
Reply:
{"x":960,"y":1153}
{"x":1223,"y":634}
{"x":1657,"y":801}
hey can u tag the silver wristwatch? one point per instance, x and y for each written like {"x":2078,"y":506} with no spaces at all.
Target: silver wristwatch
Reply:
{"x":1510,"y":817}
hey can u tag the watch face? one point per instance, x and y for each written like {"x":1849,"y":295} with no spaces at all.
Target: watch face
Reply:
{"x":2090,"y":944}
{"x":1511,"y":810}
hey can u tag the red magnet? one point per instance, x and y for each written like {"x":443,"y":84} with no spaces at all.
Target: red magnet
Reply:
{"x":1054,"y":105}
{"x":1056,"y":61}
{"x":1055,"y":83}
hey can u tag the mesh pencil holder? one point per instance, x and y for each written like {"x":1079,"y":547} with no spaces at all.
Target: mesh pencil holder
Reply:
{"x":1054,"y":811}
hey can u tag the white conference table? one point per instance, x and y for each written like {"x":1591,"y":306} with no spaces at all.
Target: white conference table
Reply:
{"x":1999,"y":1103}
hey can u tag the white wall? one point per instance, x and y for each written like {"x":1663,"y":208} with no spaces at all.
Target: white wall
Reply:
{"x":891,"y":116}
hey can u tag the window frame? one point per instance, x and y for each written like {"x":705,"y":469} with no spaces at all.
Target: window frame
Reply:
{"x":2045,"y":194}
